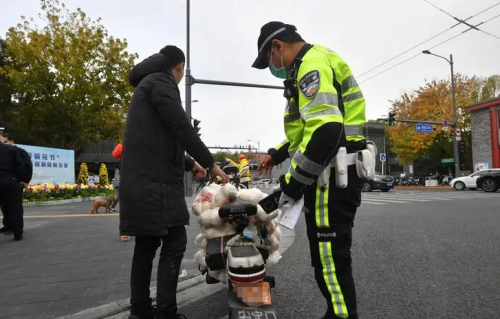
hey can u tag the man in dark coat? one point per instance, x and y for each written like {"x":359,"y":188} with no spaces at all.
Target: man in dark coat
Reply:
{"x":12,"y":172}
{"x":153,"y":207}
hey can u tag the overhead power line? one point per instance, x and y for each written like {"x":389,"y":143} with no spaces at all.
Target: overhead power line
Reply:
{"x":441,"y":43}
{"x":431,"y":38}
{"x":462,"y":21}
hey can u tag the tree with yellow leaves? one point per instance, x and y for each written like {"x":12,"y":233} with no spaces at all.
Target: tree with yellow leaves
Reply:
{"x":433,"y":102}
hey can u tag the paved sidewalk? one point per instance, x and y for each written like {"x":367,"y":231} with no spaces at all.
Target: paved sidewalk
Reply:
{"x":67,"y":264}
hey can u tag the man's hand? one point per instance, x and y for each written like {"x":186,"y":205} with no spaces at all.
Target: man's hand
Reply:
{"x":215,"y":171}
{"x":199,"y":171}
{"x":266,"y":165}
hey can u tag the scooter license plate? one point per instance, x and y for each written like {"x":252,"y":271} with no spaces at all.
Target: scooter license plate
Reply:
{"x":389,"y":184}
{"x":254,"y":294}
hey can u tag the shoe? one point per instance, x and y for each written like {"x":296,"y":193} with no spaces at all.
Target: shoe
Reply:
{"x":142,"y":313}
{"x":18,"y":237}
{"x":181,"y":316}
{"x":8,"y":232}
{"x":112,"y":210}
{"x":4,"y":230}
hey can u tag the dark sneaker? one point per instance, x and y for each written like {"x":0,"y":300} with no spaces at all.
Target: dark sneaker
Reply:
{"x":18,"y":237}
{"x":4,"y":230}
{"x":112,"y":210}
{"x":8,"y":232}
{"x":142,"y":313}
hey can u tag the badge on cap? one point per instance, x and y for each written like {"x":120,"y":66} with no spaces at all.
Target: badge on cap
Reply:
{"x":309,"y":84}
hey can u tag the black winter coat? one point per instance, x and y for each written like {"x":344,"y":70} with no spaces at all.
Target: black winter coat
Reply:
{"x":12,"y":168}
{"x":157,"y":134}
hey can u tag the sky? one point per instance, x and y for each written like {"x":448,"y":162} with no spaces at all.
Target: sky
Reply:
{"x":365,"y":33}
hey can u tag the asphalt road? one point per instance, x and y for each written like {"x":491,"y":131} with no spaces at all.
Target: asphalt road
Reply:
{"x":416,"y":255}
{"x":70,"y":261}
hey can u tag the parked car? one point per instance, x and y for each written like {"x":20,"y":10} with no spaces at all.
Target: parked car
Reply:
{"x":469,"y":182}
{"x":383,"y":182}
{"x":489,"y":182}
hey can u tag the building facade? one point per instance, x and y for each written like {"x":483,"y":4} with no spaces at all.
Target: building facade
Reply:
{"x":485,"y":127}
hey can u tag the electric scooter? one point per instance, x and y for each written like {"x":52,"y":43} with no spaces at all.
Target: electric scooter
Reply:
{"x":243,"y":256}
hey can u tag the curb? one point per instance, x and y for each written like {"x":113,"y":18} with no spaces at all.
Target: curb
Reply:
{"x":120,"y":306}
{"x":60,"y":202}
{"x":188,"y":291}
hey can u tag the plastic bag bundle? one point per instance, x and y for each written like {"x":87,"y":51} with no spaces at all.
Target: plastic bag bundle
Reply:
{"x":206,"y":207}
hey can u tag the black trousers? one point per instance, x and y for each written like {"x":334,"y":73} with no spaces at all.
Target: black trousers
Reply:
{"x":11,"y":202}
{"x":172,"y":251}
{"x":117,"y":199}
{"x":329,"y":214}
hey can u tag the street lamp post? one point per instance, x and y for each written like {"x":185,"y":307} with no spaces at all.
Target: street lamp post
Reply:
{"x":455,"y":126}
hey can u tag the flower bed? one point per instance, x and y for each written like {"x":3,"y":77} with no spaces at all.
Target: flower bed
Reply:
{"x":55,"y":192}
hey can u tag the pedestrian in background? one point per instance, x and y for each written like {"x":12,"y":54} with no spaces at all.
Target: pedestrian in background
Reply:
{"x":117,"y":153}
{"x":152,"y":199}
{"x":12,"y":173}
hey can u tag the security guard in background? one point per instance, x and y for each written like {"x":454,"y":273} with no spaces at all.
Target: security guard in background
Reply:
{"x":243,"y":170}
{"x":325,"y":111}
{"x":12,"y":173}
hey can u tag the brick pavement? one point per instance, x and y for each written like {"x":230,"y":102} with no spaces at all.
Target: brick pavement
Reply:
{"x":68,"y":264}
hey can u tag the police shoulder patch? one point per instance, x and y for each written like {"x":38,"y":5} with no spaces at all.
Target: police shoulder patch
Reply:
{"x":309,"y":84}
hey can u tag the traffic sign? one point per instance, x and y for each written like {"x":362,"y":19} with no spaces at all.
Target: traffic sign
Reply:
{"x":382,"y":157}
{"x":445,"y":123}
{"x":424,"y":128}
{"x":447,"y":160}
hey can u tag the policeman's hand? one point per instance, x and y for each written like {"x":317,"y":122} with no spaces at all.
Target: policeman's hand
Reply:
{"x":215,"y":172}
{"x":284,"y":200}
{"x":199,"y":171}
{"x":267,"y":164}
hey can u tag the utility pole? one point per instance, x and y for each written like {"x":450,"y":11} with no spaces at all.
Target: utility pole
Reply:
{"x":455,"y":142}
{"x":190,"y":81}
{"x":188,"y":176}
{"x":258,"y":144}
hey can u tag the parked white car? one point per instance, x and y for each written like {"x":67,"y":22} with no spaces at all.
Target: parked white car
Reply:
{"x":469,"y":182}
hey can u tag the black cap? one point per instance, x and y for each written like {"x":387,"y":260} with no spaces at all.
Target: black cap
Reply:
{"x":269,"y":32}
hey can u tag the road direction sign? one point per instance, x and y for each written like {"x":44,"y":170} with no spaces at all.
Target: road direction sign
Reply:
{"x":382,"y":157}
{"x":424,"y":128}
{"x":445,"y":123}
{"x":447,"y":160}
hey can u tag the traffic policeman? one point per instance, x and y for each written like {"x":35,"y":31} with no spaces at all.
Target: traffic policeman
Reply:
{"x":243,"y":170}
{"x":325,"y":111}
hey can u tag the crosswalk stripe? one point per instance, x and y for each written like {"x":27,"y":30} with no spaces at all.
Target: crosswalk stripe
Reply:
{"x":422,"y":199}
{"x":385,"y":200}
{"x":400,"y":198}
{"x":371,"y":203}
